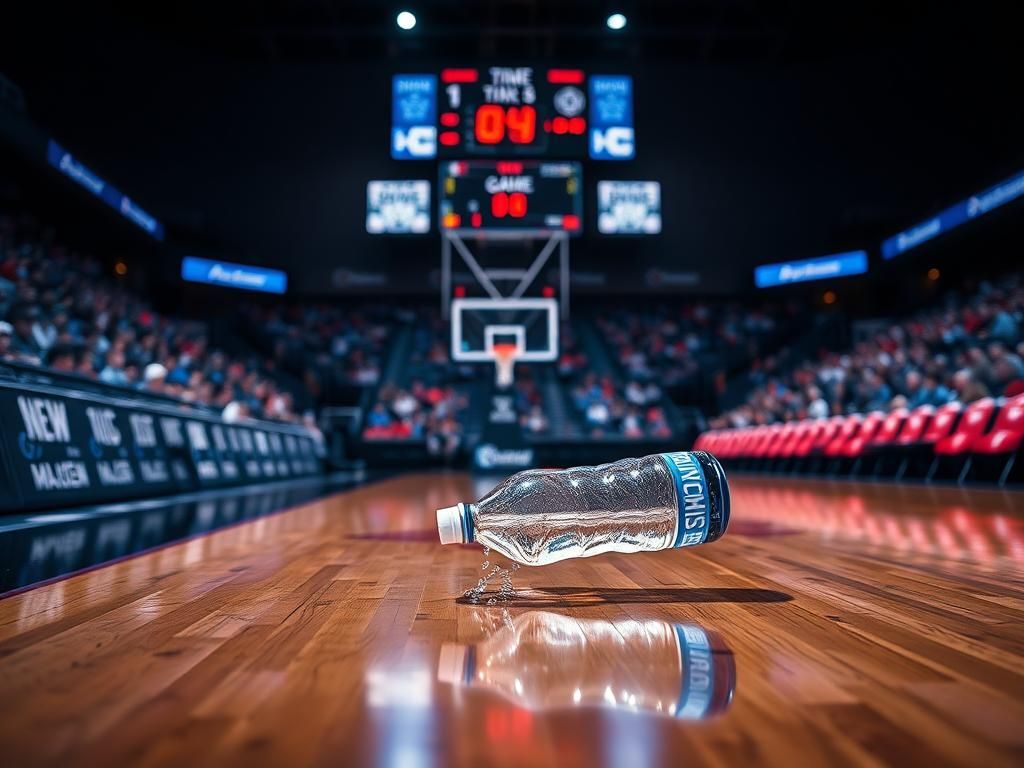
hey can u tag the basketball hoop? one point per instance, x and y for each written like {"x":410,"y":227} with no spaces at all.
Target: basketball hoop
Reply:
{"x":504,"y":364}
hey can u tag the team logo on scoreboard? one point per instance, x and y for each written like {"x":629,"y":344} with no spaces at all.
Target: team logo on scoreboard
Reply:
{"x":611,"y":117}
{"x":413,"y":117}
{"x":628,"y":207}
{"x":397,"y":207}
{"x":570,"y":101}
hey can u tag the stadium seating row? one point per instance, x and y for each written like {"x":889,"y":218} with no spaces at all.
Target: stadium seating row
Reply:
{"x":979,"y":442}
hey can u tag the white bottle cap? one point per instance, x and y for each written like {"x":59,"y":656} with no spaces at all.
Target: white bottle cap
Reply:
{"x":451,"y":664}
{"x":449,"y":525}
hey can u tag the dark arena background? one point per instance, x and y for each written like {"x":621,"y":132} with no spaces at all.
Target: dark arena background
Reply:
{"x":287,"y":285}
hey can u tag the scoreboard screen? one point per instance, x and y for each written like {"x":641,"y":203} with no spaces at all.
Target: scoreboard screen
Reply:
{"x":511,"y":112}
{"x":510,"y":195}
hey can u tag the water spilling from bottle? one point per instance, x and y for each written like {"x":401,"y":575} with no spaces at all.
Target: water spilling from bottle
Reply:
{"x":506,"y":591}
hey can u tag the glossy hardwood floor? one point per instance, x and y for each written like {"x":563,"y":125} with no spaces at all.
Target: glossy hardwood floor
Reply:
{"x":834,"y":624}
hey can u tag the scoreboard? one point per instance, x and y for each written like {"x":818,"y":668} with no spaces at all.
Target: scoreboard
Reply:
{"x":510,"y":141}
{"x":510,"y":195}
{"x":510,"y":112}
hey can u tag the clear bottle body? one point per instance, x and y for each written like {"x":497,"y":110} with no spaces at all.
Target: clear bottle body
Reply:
{"x":543,"y":516}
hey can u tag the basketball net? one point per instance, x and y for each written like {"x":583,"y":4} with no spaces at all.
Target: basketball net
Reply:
{"x":504,"y":365}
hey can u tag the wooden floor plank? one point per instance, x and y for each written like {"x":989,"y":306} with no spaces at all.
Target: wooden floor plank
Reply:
{"x":858,"y":624}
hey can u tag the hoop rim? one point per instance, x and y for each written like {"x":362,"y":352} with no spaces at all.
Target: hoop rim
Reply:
{"x":505,"y":351}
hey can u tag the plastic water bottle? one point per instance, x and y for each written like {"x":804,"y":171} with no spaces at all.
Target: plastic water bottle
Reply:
{"x":542,"y":516}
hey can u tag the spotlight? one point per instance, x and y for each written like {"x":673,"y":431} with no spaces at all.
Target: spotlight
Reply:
{"x":406,"y":20}
{"x":934,"y":274}
{"x":616,"y":21}
{"x":121,"y":269}
{"x":829,"y":297}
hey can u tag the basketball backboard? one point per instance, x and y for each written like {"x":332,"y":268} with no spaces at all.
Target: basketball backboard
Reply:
{"x":480,"y":325}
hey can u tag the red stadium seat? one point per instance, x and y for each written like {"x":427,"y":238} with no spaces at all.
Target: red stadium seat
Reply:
{"x":781,"y":440}
{"x":881,"y":449}
{"x":739,"y":445}
{"x":829,"y":429}
{"x":725,"y":442}
{"x":805,"y":444}
{"x":942,"y":423}
{"x":923,"y":429}
{"x":889,"y":429}
{"x":706,"y":440}
{"x":717,"y":443}
{"x":854,"y":447}
{"x":732,"y":443}
{"x":915,"y":425}
{"x":969,"y":431}
{"x":847,"y":431}
{"x":1004,"y":440}
{"x":795,"y":438}
{"x":1007,"y":432}
{"x":767,"y":441}
{"x":957,"y":447}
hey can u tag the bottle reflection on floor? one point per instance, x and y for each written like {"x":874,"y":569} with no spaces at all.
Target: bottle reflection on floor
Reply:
{"x":547,"y":661}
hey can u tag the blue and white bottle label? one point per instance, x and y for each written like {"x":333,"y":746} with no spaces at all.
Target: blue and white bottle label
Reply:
{"x":693,"y":499}
{"x":698,"y":673}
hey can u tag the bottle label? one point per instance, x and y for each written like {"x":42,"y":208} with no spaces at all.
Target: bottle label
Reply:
{"x":692,"y":495}
{"x":698,"y":674}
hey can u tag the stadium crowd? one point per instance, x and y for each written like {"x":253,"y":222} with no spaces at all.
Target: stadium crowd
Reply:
{"x":963,"y":351}
{"x":321,"y":344}
{"x":423,"y":402}
{"x":673,"y":343}
{"x":628,"y":405}
{"x":59,"y":309}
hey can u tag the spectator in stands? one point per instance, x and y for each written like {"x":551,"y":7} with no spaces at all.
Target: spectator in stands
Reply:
{"x":1002,"y":326}
{"x":153,"y":378}
{"x":113,"y":371}
{"x":1007,"y":370}
{"x":62,"y":358}
{"x":23,"y":343}
{"x":817,"y":407}
{"x":535,"y":421}
{"x":379,"y":418}
{"x":444,"y":437}
{"x":235,"y":411}
{"x":967,"y":387}
{"x":875,"y":393}
{"x":632,"y":424}
{"x":6,"y":332}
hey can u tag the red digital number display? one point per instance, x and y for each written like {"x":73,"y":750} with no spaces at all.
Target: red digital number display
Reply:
{"x":494,"y":122}
{"x":512,"y":204}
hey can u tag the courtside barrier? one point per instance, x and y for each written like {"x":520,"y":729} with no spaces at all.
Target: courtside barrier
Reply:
{"x":60,"y":447}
